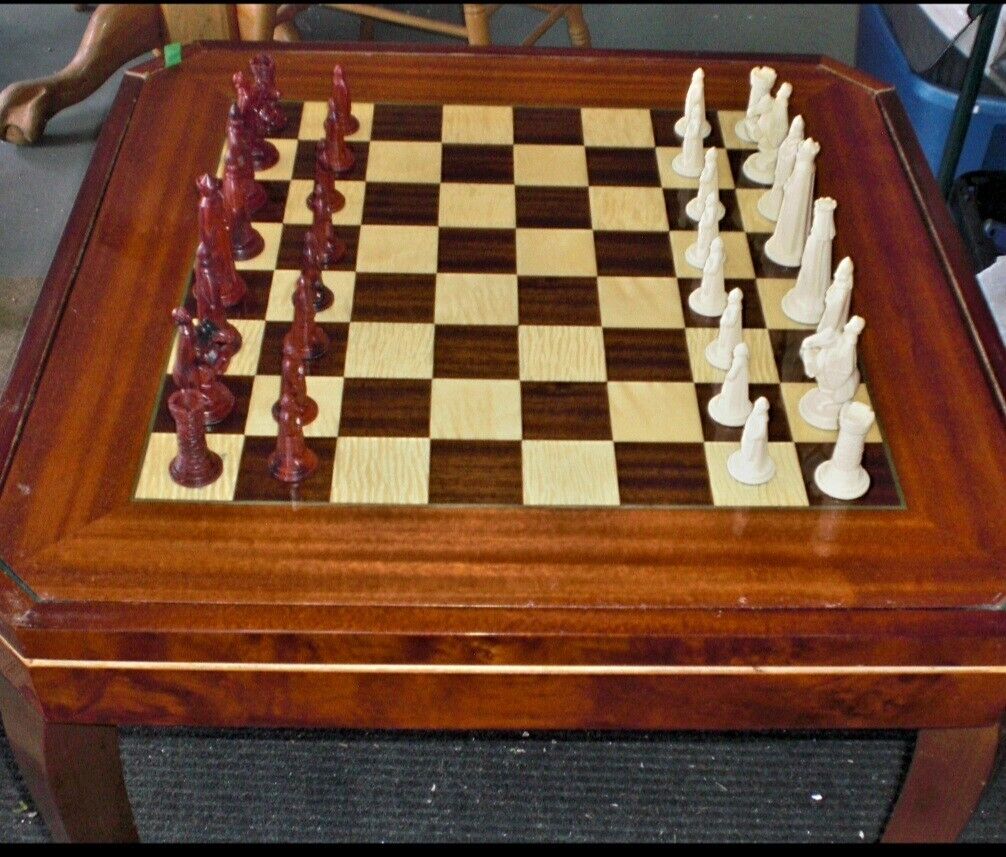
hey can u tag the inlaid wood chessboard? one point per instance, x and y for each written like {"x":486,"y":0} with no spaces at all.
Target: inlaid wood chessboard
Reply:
{"x":511,"y":322}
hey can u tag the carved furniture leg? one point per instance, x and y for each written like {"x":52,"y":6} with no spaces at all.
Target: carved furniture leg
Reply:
{"x":115,"y":34}
{"x":948,"y":774}
{"x":256,"y":21}
{"x":477,"y":24}
{"x":74,"y":773}
{"x":579,"y":35}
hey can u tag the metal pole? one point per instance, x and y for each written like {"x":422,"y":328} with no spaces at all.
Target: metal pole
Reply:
{"x":973,"y":75}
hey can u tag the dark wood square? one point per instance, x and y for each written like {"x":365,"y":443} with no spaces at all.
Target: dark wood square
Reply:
{"x":786,"y":351}
{"x":553,"y":207}
{"x":633,"y":254}
{"x":401,"y":204}
{"x":883,"y":490}
{"x":476,"y":471}
{"x":565,"y":411}
{"x":407,"y":122}
{"x":622,"y":167}
{"x":558,"y":300}
{"x":385,"y":407}
{"x":332,"y":362}
{"x":492,"y":251}
{"x":644,"y":354}
{"x":664,"y":134}
{"x":554,"y":125}
{"x":293,"y":111}
{"x":394,"y":297}
{"x":655,"y":474}
{"x":303,"y":165}
{"x":291,"y":247}
{"x":778,"y":423}
{"x":763,"y":266}
{"x":676,"y":199}
{"x":256,"y":484}
{"x":476,"y":351}
{"x":751,"y":314}
{"x":737,"y":157}
{"x":275,"y":206}
{"x":470,"y":163}
{"x":239,"y":385}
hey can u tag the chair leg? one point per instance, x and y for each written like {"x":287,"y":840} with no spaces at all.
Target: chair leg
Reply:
{"x":287,"y":32}
{"x":115,"y":34}
{"x":579,"y":35}
{"x":477,"y":24}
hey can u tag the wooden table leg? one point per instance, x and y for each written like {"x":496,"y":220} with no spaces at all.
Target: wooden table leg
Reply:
{"x":949,"y":772}
{"x":74,"y":773}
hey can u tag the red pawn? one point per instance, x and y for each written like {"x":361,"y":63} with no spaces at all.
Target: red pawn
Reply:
{"x":324,"y":297}
{"x":196,"y":464}
{"x":246,"y":241}
{"x":263,"y":70}
{"x":340,"y":94}
{"x":237,"y":143}
{"x":336,"y":201}
{"x":331,"y":247}
{"x":215,"y":244}
{"x":306,"y":338}
{"x":293,"y":382}
{"x":291,"y":461}
{"x":264,"y":154}
{"x":337,"y":157}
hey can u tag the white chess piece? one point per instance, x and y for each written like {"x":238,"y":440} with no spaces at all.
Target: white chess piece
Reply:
{"x":710,"y":298}
{"x":834,"y":368}
{"x":837,"y":301}
{"x":752,"y":464}
{"x":690,"y":160}
{"x":843,"y":476}
{"x":770,"y":201}
{"x":772,"y":129}
{"x":805,"y":301}
{"x":785,"y":247}
{"x":709,"y":183}
{"x":696,"y":95}
{"x":719,"y":352}
{"x":709,"y":229}
{"x":732,"y":404}
{"x":762,"y":80}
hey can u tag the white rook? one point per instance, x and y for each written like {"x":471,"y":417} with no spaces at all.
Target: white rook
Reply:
{"x":843,"y":475}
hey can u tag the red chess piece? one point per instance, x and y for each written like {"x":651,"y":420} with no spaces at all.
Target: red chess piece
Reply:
{"x":324,"y":297}
{"x":237,"y":145}
{"x":337,"y":157}
{"x":215,"y":244}
{"x":291,"y":461}
{"x":331,"y":246}
{"x":306,"y":337}
{"x":264,"y":154}
{"x":197,"y":366}
{"x":336,"y":201}
{"x":340,"y":94}
{"x":266,"y":96}
{"x":196,"y":464}
{"x":246,"y":241}
{"x":293,"y":381}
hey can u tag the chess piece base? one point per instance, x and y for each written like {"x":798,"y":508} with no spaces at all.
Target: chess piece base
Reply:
{"x":292,"y":468}
{"x":841,"y":485}
{"x":738,"y":469}
{"x":715,"y":357}
{"x":818,"y":410}
{"x":679,"y":166}
{"x":307,"y":416}
{"x":696,"y":303}
{"x":774,"y":255}
{"x":754,"y":169}
{"x":264,"y":155}
{"x":797,"y":311}
{"x":343,"y":167}
{"x":196,"y":474}
{"x":324,"y":297}
{"x":693,"y":258}
{"x":694,"y":209}
{"x":316,"y":346}
{"x":352,"y":125}
{"x":717,"y":412}
{"x":218,"y":402}
{"x":251,"y":244}
{"x":682,"y":124}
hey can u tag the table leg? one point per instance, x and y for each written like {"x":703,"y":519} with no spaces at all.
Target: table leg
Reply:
{"x":949,"y":771}
{"x":74,"y":773}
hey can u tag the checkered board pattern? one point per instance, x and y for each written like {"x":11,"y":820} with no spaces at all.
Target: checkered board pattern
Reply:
{"x":510,"y":324}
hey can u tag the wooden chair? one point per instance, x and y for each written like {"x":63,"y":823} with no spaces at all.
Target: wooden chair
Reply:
{"x":118,"y":33}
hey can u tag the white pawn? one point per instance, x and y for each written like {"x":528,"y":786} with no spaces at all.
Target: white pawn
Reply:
{"x":834,"y":367}
{"x":762,"y":80}
{"x":696,"y":95}
{"x":709,"y":183}
{"x":804,"y":303}
{"x":772,"y":127}
{"x":710,"y":298}
{"x":690,"y":160}
{"x":751,"y":464}
{"x":732,"y":404}
{"x":709,"y":230}
{"x":837,"y":301}
{"x":843,"y":476}
{"x":719,"y":352}
{"x":770,"y":201}
{"x":785,"y":246}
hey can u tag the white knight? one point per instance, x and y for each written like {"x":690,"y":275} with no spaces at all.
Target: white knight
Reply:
{"x":835,"y":369}
{"x":762,"y":80}
{"x":772,"y":131}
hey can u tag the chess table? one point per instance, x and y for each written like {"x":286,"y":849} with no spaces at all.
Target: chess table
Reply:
{"x":521,"y":519}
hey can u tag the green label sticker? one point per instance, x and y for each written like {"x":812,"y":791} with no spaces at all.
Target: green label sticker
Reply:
{"x":172,"y":54}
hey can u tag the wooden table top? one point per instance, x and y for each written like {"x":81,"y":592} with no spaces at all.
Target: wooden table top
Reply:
{"x":113,"y":610}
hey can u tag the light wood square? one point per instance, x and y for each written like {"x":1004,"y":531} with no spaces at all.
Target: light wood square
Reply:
{"x":617,"y":126}
{"x":551,"y":166}
{"x":389,"y":350}
{"x":669,"y":178}
{"x":351,"y":214}
{"x":770,"y":293}
{"x":266,"y":260}
{"x":561,"y":353}
{"x":477,"y":123}
{"x":381,"y":470}
{"x":475,"y":409}
{"x":312,"y":120}
{"x":556,"y":253}
{"x":569,"y":473}
{"x":654,"y":412}
{"x":637,"y":209}
{"x":156,"y":483}
{"x":403,"y":161}
{"x":738,"y":264}
{"x":476,"y":299}
{"x":284,"y":283}
{"x":397,"y":249}
{"x":245,"y":362}
{"x":751,"y":217}
{"x":761,"y":362}
{"x":786,"y":488}
{"x":282,"y":170}
{"x":478,"y":205}
{"x":802,"y":431}
{"x":728,"y":122}
{"x":325,"y":390}
{"x":640,"y":302}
